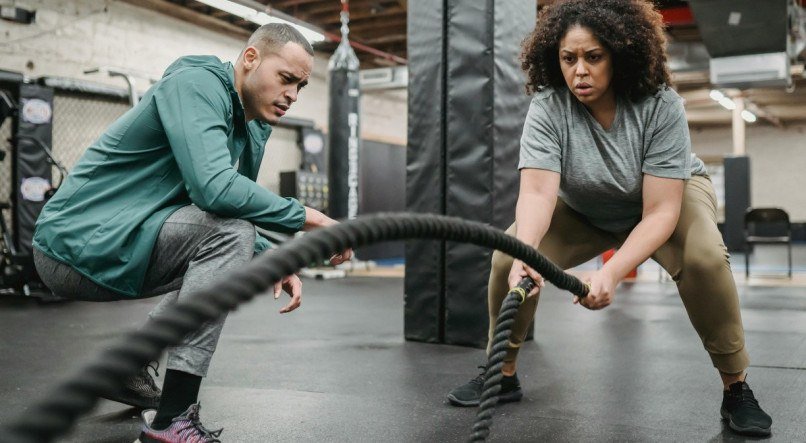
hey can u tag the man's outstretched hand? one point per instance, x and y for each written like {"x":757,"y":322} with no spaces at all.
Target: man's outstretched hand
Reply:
{"x":342,"y":257}
{"x":292,"y":286}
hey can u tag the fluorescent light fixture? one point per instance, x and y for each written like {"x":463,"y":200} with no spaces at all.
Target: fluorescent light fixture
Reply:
{"x":722,"y":99}
{"x":748,"y":116}
{"x":260,"y":18}
{"x":727,"y":103}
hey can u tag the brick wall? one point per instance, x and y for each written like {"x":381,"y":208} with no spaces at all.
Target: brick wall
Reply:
{"x":70,"y":36}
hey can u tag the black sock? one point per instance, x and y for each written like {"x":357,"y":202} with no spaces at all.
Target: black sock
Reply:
{"x":179,"y":391}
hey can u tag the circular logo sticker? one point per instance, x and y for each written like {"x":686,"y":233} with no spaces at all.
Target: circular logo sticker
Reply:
{"x":36,"y":111}
{"x":34,"y":188}
{"x":313,"y":143}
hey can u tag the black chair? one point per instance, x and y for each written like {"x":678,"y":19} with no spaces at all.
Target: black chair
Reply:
{"x":767,"y":226}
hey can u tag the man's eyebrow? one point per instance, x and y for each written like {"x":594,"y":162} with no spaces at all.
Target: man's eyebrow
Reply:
{"x":293,"y":78}
{"x":289,"y":74}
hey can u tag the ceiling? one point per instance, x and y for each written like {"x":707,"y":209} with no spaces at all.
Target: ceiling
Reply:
{"x":378,"y":35}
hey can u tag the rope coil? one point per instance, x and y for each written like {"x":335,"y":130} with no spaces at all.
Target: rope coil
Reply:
{"x":54,"y":415}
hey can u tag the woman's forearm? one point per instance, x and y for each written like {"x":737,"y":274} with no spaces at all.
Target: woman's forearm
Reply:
{"x":533,"y":217}
{"x":647,"y":236}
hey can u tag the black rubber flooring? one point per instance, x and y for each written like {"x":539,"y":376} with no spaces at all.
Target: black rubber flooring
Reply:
{"x":338,"y":370}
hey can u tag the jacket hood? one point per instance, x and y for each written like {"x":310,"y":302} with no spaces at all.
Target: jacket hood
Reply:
{"x":223,"y":70}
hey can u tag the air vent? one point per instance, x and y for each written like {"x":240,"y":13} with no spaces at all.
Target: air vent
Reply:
{"x":747,"y":71}
{"x":384,"y":78}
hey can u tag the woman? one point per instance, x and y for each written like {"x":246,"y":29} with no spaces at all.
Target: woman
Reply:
{"x":606,"y":135}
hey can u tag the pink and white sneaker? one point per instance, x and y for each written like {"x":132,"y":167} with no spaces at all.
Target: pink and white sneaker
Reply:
{"x":186,"y":428}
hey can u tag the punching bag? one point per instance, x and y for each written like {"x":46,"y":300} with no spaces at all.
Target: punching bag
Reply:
{"x":343,"y":127}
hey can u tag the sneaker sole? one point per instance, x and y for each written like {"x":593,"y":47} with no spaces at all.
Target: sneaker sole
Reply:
{"x":134,"y":401}
{"x":751,"y":430}
{"x":504,"y":398}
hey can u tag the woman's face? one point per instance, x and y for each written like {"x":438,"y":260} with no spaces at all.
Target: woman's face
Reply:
{"x":587,"y":67}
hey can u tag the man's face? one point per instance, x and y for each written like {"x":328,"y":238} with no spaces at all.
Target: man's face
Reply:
{"x":273,"y":80}
{"x":586,"y":65}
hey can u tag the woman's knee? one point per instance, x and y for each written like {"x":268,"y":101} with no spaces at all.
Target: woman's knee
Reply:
{"x":501,"y":263}
{"x":705,"y":261}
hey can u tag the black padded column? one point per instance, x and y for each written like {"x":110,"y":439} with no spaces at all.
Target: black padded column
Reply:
{"x":425,"y":168}
{"x":737,"y":200}
{"x":31,"y":171}
{"x":466,"y":110}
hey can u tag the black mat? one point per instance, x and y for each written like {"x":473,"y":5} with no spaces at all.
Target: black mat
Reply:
{"x":339,"y":370}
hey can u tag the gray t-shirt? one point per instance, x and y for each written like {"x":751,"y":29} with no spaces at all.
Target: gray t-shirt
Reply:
{"x":601,"y":171}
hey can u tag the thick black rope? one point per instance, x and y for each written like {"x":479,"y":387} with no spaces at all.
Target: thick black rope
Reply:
{"x":495,"y":361}
{"x":58,"y":411}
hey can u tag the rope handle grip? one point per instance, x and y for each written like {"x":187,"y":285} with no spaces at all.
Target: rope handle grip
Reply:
{"x":525,"y":286}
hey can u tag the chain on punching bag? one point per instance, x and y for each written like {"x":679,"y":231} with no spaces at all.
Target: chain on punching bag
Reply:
{"x":343,"y":126}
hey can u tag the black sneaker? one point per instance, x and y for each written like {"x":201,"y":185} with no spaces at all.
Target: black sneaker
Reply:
{"x":140,"y":391}
{"x":469,"y":393}
{"x":741,"y":409}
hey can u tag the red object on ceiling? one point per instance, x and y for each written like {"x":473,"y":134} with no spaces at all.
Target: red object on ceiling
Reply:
{"x":679,"y":16}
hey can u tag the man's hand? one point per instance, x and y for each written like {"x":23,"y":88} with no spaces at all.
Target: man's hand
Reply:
{"x":292,"y":286}
{"x":520,"y":271}
{"x":602,"y":290}
{"x":315,"y":219}
{"x":342,"y":257}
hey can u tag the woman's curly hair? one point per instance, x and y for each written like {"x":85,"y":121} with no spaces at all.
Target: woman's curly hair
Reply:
{"x":631,"y":29}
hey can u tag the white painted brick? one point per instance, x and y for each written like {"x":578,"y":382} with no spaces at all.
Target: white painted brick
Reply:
{"x":70,"y":36}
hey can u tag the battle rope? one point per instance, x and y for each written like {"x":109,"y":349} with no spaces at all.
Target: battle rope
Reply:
{"x":58,"y":411}
{"x":495,"y":361}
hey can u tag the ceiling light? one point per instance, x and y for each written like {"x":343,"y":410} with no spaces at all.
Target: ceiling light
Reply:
{"x":722,"y":99}
{"x":727,"y":103}
{"x":260,"y":18}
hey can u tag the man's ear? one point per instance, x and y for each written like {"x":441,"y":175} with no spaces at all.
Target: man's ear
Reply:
{"x":251,"y":57}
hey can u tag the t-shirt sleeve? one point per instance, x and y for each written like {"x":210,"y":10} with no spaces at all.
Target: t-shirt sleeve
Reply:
{"x":540,"y":141}
{"x":668,"y":153}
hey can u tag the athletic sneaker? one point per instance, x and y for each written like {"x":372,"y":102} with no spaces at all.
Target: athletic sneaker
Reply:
{"x":140,"y":390}
{"x":469,"y":393}
{"x":186,"y":428}
{"x":741,"y":409}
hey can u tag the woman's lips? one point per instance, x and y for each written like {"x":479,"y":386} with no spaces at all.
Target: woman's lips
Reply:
{"x":584,"y":89}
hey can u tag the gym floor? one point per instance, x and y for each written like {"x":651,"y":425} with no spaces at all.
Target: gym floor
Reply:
{"x":339,"y":370}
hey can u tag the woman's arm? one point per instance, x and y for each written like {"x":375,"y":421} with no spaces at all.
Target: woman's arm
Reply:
{"x":536,"y":201}
{"x":663,"y":198}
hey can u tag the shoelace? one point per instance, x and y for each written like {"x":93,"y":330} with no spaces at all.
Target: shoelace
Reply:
{"x":154,"y":365}
{"x":195,"y":423}
{"x":748,"y":399}
{"x":479,"y":380}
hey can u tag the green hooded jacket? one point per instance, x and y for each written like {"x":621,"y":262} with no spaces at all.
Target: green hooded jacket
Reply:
{"x":179,"y":146}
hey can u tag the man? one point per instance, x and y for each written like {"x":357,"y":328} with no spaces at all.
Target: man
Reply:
{"x":165,"y":201}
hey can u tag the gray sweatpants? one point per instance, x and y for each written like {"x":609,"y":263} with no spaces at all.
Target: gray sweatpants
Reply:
{"x":193,"y":248}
